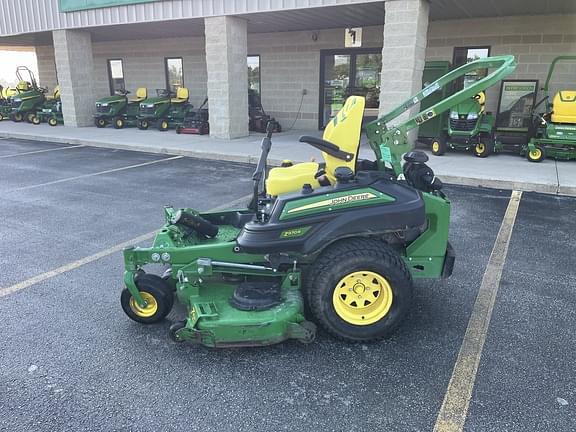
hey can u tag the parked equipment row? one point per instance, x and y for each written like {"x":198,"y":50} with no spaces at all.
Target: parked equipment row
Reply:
{"x":27,"y":101}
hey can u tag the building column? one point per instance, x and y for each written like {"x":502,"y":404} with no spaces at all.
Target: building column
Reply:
{"x":226,"y":52}
{"x":403,"y":52}
{"x":75,"y":66}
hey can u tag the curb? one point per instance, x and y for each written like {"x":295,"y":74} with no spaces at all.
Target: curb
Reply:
{"x":552,"y":189}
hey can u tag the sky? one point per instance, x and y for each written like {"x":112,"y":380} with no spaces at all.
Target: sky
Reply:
{"x":10,"y":60}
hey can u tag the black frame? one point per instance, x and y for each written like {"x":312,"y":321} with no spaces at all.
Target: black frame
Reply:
{"x":341,"y":51}
{"x":168,"y":86}
{"x":259,"y":71}
{"x":502,"y":82}
{"x":110,"y":79}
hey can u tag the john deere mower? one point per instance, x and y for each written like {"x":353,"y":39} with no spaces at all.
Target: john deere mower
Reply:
{"x":346,"y":238}
{"x":26,"y":102}
{"x":119,"y":110}
{"x":6,"y":95}
{"x":554,"y":130}
{"x":165,"y":111}
{"x":469,"y":127}
{"x":51,"y":110}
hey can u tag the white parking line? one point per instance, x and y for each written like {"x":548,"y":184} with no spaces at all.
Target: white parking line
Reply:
{"x":104,"y":253}
{"x":95,"y":174}
{"x":40,"y":151}
{"x":454,"y":410}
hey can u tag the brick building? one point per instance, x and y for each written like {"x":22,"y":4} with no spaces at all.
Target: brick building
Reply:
{"x":303,"y":59}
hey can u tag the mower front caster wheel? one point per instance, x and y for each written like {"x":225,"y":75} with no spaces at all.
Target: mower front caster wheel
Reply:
{"x":172,"y":331}
{"x":52,"y":122}
{"x":484,"y":147}
{"x":536,"y":155}
{"x":438,"y":146}
{"x":35,"y":120}
{"x":17,"y":117}
{"x":359,"y":290}
{"x":156,"y":293}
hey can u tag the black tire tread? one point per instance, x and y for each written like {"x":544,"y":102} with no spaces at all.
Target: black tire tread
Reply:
{"x":358,"y":247}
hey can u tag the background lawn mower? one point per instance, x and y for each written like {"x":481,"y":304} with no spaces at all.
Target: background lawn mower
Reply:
{"x":51,"y":110}
{"x":26,"y":102}
{"x":258,"y":119}
{"x":119,"y":109}
{"x":165,"y":111}
{"x":197,"y":122}
{"x":555,"y":130}
{"x":344,"y":237}
{"x":469,"y":127}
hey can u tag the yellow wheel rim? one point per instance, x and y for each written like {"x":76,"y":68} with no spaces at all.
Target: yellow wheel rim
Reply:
{"x":535,"y":154}
{"x":480,"y":148}
{"x":362,"y":298}
{"x":164,"y":125}
{"x":435,"y":146}
{"x":119,"y":123}
{"x":52,"y":122}
{"x":149,"y":310}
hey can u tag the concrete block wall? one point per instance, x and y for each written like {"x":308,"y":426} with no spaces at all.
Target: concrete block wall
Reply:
{"x":290,"y":62}
{"x":47,"y":76}
{"x":534,"y":40}
{"x":143,"y":62}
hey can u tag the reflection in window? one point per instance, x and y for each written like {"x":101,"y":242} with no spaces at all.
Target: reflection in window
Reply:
{"x":463,"y":55}
{"x":254,"y":74}
{"x":174,"y":74}
{"x":116,"y":76}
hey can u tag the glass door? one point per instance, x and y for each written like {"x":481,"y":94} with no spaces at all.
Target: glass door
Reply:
{"x":345,"y":73}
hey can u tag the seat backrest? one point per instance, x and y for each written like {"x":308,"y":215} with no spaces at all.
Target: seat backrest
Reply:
{"x":142,"y":93}
{"x":56,"y":92}
{"x":481,"y":98}
{"x":344,"y":131}
{"x":182,"y":93}
{"x":564,"y":107}
{"x":23,"y":86}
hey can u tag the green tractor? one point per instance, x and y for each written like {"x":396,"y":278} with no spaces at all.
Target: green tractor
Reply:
{"x":118,"y":109}
{"x":342,"y":240}
{"x":26,"y":103}
{"x":554,"y":131}
{"x":469,"y":127}
{"x":165,"y":111}
{"x":51,"y":111}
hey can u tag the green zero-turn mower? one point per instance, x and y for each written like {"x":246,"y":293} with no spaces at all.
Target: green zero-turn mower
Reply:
{"x":51,"y":111}
{"x":119,"y":110}
{"x":26,"y":103}
{"x":165,"y":111}
{"x":470,"y":127}
{"x":6,"y":95}
{"x":555,"y":130}
{"x":342,"y":240}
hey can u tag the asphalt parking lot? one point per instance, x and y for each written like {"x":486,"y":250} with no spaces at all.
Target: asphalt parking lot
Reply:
{"x":70,"y":360}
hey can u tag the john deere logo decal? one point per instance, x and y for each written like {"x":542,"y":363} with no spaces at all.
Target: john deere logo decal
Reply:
{"x":335,"y":201}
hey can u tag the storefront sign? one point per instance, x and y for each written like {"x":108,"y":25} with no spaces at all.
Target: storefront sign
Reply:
{"x":353,"y":37}
{"x":517,"y":98}
{"x":76,"y":5}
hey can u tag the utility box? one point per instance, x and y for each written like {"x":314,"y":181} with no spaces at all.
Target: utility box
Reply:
{"x":432,"y":128}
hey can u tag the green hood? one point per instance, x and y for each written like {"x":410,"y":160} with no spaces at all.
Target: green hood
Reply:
{"x":468,"y":106}
{"x":111,"y":99}
{"x":156,"y":100}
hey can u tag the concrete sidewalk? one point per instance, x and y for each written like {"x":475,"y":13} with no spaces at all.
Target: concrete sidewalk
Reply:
{"x":499,"y":171}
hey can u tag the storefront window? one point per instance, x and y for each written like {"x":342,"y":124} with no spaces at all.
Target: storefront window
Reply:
{"x":254,"y":74}
{"x":463,"y":55}
{"x":116,"y":76}
{"x":174,"y":74}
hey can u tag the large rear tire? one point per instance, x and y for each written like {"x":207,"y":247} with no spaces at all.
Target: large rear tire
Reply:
{"x":36,"y":120}
{"x":17,"y":117}
{"x":358,"y":290}
{"x":158,"y":295}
